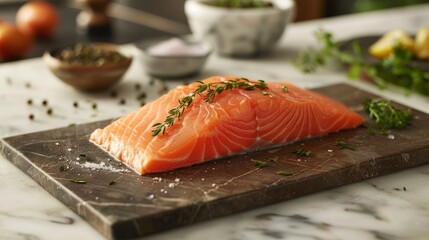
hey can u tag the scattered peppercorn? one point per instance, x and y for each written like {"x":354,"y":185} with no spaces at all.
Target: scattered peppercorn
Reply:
{"x":31,"y":116}
{"x":30,"y":101}
{"x":94,"y":106}
{"x":141,"y":96}
{"x":45,"y":102}
{"x":49,"y":111}
{"x":75,"y":104}
{"x":152,"y":81}
{"x":122,"y":101}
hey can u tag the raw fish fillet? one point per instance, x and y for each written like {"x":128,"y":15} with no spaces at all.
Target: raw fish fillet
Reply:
{"x":234,"y":122}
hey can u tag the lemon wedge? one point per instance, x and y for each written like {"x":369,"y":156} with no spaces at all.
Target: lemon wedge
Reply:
{"x":422,"y":43}
{"x":383,"y":47}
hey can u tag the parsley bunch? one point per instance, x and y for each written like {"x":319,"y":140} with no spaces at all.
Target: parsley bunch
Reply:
{"x":386,"y":116}
{"x":398,"y":69}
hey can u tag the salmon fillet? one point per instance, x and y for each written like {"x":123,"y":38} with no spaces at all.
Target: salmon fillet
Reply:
{"x":236,"y":121}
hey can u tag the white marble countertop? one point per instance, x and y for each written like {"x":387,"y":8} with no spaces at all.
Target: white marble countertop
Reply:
{"x":389,"y":207}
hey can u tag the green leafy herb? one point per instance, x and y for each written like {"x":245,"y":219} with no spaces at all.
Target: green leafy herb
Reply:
{"x":302,"y":152}
{"x":260,"y":163}
{"x":284,"y":173}
{"x":285,"y":88}
{"x":268,"y":94}
{"x":77,"y":180}
{"x":345,"y":145}
{"x":397,"y":69}
{"x":63,"y":168}
{"x":273,"y":159}
{"x":208,"y":91}
{"x":386,"y":116}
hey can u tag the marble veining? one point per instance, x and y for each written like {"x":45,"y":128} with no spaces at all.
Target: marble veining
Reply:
{"x":392,"y":207}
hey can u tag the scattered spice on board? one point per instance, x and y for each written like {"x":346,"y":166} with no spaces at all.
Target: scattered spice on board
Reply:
{"x":284,"y":173}
{"x":302,"y":152}
{"x":49,"y":111}
{"x":345,"y":145}
{"x":259,"y":163}
{"x":45,"y":102}
{"x":30,"y":101}
{"x":78,"y":180}
{"x":75,"y":104}
{"x":31,"y":116}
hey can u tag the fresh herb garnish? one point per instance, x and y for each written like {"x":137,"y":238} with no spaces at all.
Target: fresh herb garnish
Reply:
{"x":386,"y":116}
{"x":208,"y":91}
{"x":63,"y":168}
{"x":285,"y":88}
{"x":260,"y":163}
{"x":77,"y":180}
{"x":345,"y":145}
{"x":273,"y":159}
{"x":284,"y":173}
{"x":302,"y":152}
{"x":397,"y":69}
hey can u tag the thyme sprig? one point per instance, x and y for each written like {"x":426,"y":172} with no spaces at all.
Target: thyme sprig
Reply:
{"x":209,"y":91}
{"x":397,"y":69}
{"x":386,"y":116}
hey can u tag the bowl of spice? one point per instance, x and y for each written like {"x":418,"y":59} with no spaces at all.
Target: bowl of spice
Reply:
{"x":174,"y":57}
{"x":240,"y":28}
{"x":88,"y":67}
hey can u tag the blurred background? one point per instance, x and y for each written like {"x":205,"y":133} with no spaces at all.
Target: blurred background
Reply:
{"x":137,"y":20}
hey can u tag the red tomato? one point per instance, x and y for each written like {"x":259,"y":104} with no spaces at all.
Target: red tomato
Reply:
{"x":37,"y":18}
{"x":13,"y":43}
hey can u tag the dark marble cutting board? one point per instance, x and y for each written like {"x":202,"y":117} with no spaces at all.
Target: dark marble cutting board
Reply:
{"x":121,"y":204}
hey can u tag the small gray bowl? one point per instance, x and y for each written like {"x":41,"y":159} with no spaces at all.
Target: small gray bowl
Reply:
{"x":175,"y":65}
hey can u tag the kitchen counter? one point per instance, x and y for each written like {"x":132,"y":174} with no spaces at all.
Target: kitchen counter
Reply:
{"x":388,"y":207}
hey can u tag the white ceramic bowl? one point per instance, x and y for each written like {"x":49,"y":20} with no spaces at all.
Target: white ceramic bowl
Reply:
{"x":239,"y":32}
{"x":176,"y":64}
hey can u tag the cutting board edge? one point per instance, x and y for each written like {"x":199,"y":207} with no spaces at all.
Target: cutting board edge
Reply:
{"x":54,"y":188}
{"x":395,"y":163}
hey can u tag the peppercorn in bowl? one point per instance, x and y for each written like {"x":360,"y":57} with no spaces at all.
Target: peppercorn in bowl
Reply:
{"x":88,"y":67}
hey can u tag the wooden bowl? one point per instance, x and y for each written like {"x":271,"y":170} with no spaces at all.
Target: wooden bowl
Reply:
{"x":87,"y":77}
